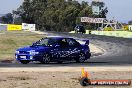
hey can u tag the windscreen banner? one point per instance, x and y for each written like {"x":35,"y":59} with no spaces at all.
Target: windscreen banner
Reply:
{"x":92,"y":20}
{"x":13,"y":27}
{"x":30,"y":27}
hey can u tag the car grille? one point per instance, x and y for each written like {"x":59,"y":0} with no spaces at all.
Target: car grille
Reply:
{"x":23,"y":52}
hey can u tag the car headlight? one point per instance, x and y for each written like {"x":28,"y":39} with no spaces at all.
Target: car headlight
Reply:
{"x":17,"y":52}
{"x":33,"y":52}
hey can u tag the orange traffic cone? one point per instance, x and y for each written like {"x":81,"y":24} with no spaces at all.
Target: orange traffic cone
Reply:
{"x":84,"y":80}
{"x":85,"y":73}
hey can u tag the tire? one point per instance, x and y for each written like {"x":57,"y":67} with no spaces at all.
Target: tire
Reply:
{"x":84,"y":81}
{"x":76,"y":31}
{"x":60,"y":62}
{"x":81,"y":58}
{"x":46,"y":59}
{"x":83,"y":32}
{"x":24,"y":61}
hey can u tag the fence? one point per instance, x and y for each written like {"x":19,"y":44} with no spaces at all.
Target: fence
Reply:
{"x":3,"y":26}
{"x":124,"y":34}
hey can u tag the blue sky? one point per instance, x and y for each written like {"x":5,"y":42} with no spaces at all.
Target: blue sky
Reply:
{"x":119,"y":9}
{"x":9,"y":5}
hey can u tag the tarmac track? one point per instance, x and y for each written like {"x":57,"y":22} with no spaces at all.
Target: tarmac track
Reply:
{"x":118,"y":52}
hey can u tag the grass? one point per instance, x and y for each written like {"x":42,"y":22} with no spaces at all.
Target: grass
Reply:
{"x":11,"y":40}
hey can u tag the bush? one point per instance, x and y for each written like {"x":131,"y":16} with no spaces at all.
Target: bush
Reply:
{"x":126,"y":28}
{"x":108,"y":29}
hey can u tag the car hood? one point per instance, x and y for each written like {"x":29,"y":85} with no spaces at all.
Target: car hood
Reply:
{"x":36,"y":48}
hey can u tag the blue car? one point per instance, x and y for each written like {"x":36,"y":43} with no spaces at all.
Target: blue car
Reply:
{"x":54,"y":49}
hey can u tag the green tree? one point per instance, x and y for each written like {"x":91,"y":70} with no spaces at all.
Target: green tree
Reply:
{"x":130,"y":22}
{"x":8,"y":18}
{"x":103,"y":10}
{"x":53,"y":15}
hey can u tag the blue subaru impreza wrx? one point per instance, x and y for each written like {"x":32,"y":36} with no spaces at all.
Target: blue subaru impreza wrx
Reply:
{"x":56,"y":49}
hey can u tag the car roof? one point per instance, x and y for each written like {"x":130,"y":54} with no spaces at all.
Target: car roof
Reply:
{"x":58,"y":37}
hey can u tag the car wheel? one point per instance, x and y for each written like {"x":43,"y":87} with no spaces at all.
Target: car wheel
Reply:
{"x":24,"y":62}
{"x":81,"y":58}
{"x":60,"y":62}
{"x":46,"y":59}
{"x":83,"y":32}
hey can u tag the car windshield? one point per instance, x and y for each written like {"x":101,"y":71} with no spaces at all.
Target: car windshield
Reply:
{"x":46,"y":42}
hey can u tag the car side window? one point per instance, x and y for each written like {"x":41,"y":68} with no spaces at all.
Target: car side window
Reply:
{"x":63,"y":43}
{"x":52,"y":42}
{"x":72,"y":42}
{"x":43,"y":42}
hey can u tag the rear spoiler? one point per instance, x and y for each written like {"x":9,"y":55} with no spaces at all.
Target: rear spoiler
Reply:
{"x":84,"y":42}
{"x":87,"y":42}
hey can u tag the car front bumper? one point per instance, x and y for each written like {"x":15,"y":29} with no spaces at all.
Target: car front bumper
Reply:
{"x":28,"y":57}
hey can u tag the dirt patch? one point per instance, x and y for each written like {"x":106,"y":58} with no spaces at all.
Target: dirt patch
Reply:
{"x":6,"y":61}
{"x":96,"y":50}
{"x":19,"y":78}
{"x":57,"y":79}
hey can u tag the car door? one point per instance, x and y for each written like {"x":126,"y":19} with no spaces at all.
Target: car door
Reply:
{"x":60,"y":52}
{"x":55,"y":52}
{"x":73,"y":47}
